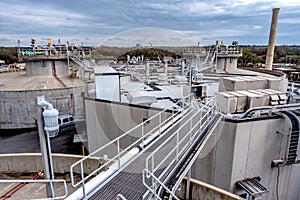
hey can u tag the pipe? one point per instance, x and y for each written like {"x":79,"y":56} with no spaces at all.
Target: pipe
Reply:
{"x":270,"y":109}
{"x":47,"y":104}
{"x":272,"y":37}
{"x":182,"y":67}
{"x":147,"y":71}
{"x":19,"y":186}
{"x":165,"y":68}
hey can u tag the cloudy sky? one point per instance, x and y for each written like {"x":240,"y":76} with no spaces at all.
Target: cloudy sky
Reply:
{"x":126,"y":22}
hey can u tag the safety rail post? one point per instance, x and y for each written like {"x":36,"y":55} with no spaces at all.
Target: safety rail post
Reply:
{"x":200,"y":124}
{"x":183,"y":108}
{"x":82,"y":178}
{"x":191,"y":132}
{"x":118,"y":150}
{"x":172,"y":116}
{"x":159,"y":122}
{"x":177,"y":143}
{"x":152,"y":163}
{"x":143,"y":135}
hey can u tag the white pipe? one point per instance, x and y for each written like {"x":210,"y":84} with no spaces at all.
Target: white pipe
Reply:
{"x":166,"y":68}
{"x":182,"y":68}
{"x":147,"y":71}
{"x":45,"y":103}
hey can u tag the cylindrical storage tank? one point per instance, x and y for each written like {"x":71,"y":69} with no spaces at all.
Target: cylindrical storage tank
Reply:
{"x":47,"y":68}
{"x":18,"y":109}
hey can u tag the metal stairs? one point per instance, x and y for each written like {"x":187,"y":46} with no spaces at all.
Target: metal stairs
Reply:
{"x":85,"y":65}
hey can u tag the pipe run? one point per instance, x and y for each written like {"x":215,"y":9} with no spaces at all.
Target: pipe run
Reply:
{"x":45,"y":103}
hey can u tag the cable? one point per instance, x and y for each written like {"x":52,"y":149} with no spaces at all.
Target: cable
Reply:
{"x":277,"y":183}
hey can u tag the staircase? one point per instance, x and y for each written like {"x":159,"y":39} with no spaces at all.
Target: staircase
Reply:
{"x":85,"y":65}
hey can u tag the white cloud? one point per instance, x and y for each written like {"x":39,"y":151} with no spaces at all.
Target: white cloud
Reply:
{"x":157,"y":36}
{"x":33,"y":14}
{"x":295,"y":20}
{"x":257,"y":27}
{"x":200,"y":20}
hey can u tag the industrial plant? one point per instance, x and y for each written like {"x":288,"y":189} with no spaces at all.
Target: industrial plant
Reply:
{"x":152,"y":124}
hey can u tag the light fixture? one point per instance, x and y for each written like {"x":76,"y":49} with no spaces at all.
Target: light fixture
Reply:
{"x":50,"y":116}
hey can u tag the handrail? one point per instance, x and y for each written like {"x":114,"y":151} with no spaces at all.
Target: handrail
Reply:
{"x":202,"y":144}
{"x":120,"y":197}
{"x":176,"y":133}
{"x":183,"y":143}
{"x":116,"y":142}
{"x":147,"y":173}
{"x":76,"y":59}
{"x":42,"y":181}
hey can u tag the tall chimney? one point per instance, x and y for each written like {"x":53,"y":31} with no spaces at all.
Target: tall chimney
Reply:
{"x":272,"y":37}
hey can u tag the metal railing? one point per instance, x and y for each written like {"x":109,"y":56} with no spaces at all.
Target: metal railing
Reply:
{"x":120,"y":197}
{"x":181,"y":140}
{"x":147,"y":173}
{"x":76,"y":59}
{"x":62,"y":181}
{"x":116,"y":143}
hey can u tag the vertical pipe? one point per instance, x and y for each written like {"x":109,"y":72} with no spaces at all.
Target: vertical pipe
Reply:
{"x":147,"y":71}
{"x":188,"y":181}
{"x":73,"y":104}
{"x":44,"y":150}
{"x":182,"y":67}
{"x":272,"y":37}
{"x":165,"y":68}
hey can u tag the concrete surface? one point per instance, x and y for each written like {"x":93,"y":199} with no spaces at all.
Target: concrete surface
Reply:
{"x":18,"y":93}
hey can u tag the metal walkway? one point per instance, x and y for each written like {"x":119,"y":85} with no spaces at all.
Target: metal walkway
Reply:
{"x":140,"y":170}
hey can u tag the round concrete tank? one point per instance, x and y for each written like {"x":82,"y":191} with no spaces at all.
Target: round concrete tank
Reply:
{"x":43,"y":76}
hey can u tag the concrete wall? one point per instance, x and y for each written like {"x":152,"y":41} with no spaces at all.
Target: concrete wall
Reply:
{"x":230,"y":63}
{"x":44,"y":67}
{"x":32,"y":162}
{"x":18,"y":109}
{"x":245,"y":150}
{"x":107,"y":120}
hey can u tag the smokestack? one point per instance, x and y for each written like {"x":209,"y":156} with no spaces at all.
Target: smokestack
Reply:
{"x":272,"y":37}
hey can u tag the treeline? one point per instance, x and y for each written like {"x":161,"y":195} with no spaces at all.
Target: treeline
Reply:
{"x":254,"y":55}
{"x":107,"y":52}
{"x":9,"y":54}
{"x":149,"y":53}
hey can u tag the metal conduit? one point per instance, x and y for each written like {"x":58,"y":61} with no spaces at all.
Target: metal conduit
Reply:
{"x":269,"y":109}
{"x":292,"y":145}
{"x":170,"y":181}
